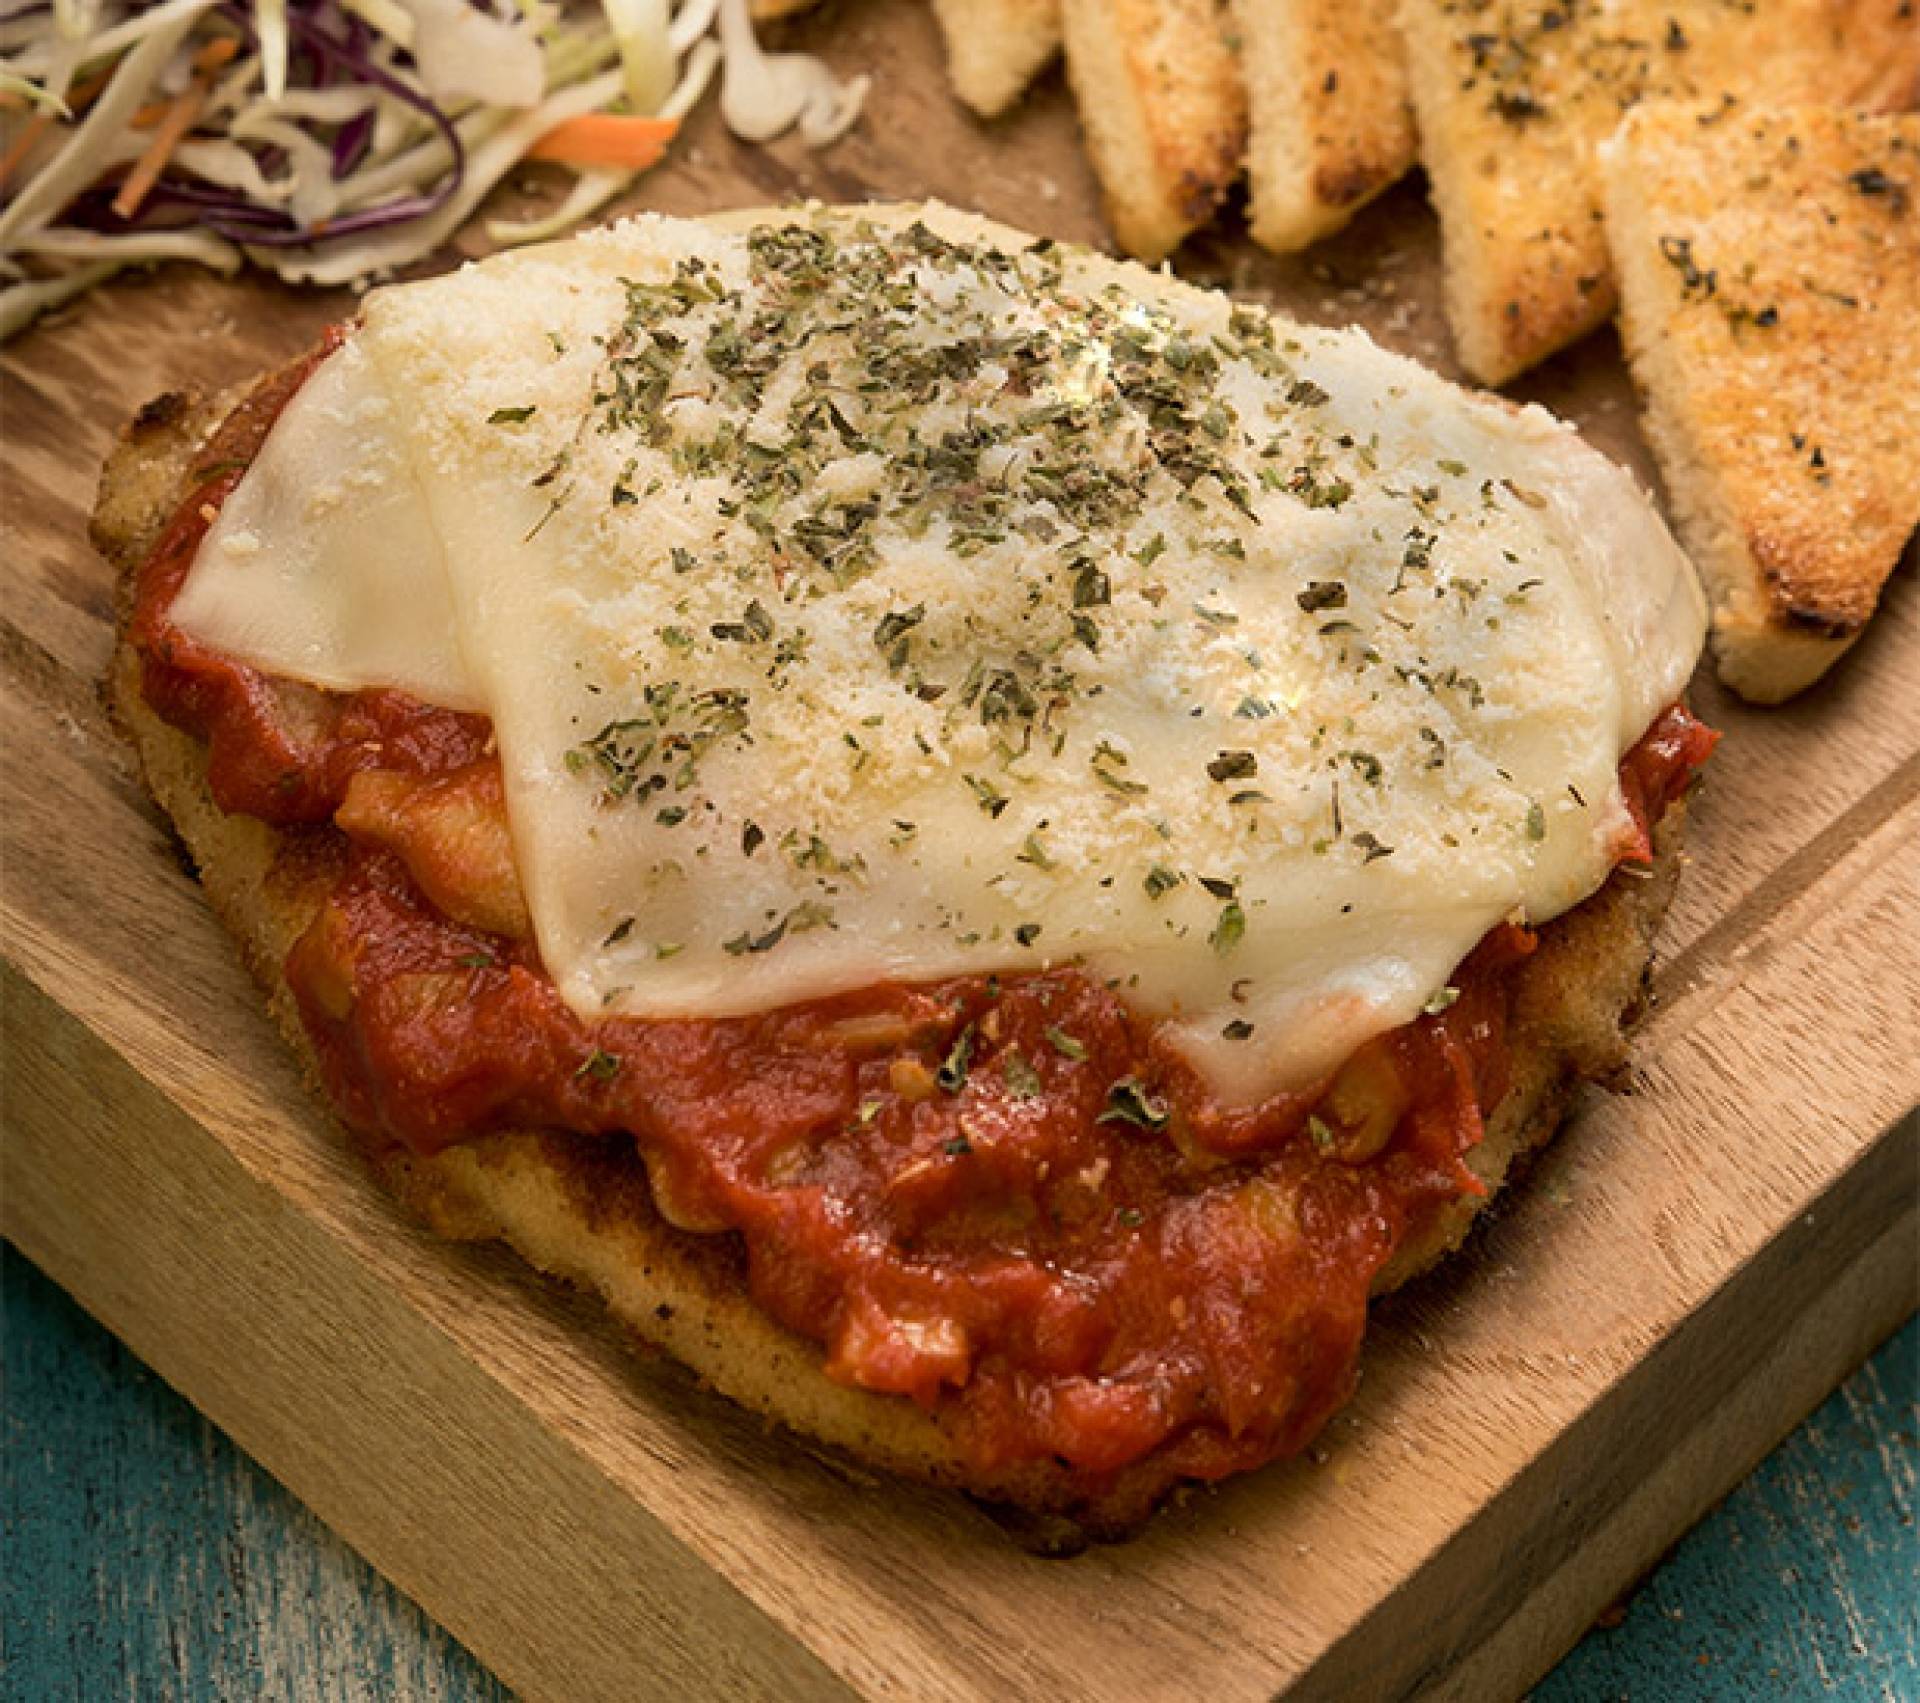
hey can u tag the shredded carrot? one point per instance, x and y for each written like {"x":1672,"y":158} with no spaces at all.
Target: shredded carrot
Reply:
{"x":167,"y":136}
{"x":215,"y":54}
{"x":79,"y":98}
{"x":607,"y":139}
{"x":171,"y":120}
{"x":30,"y":133}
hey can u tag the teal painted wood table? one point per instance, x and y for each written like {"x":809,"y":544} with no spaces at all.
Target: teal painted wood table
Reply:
{"x":148,"y":1558}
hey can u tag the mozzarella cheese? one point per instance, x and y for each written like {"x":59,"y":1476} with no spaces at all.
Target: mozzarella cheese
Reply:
{"x":879,"y":594}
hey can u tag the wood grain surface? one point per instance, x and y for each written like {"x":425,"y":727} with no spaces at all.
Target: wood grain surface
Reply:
{"x":1690,"y":1268}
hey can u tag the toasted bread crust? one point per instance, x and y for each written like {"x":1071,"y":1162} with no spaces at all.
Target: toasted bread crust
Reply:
{"x":995,"y":48}
{"x":1515,"y":97}
{"x":1329,"y":126}
{"x":580,"y":1208}
{"x":1770,"y":281}
{"x":1163,"y":110}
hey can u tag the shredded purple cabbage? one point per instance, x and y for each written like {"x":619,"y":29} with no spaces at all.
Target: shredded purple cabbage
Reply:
{"x":350,"y":144}
{"x":318,"y":58}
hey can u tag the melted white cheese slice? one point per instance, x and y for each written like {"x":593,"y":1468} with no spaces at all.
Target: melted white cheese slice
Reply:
{"x":324,"y":564}
{"x":1268,"y":721}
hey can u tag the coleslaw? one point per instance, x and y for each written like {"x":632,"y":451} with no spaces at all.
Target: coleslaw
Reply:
{"x":334,"y":141}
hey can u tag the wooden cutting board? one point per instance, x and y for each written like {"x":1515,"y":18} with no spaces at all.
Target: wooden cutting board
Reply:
{"x":1686,"y":1271}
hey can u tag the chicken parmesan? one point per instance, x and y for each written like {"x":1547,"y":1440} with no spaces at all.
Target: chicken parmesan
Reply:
{"x":983,"y":841}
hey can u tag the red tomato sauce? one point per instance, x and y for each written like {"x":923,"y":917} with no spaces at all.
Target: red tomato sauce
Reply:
{"x":1001,"y":1197}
